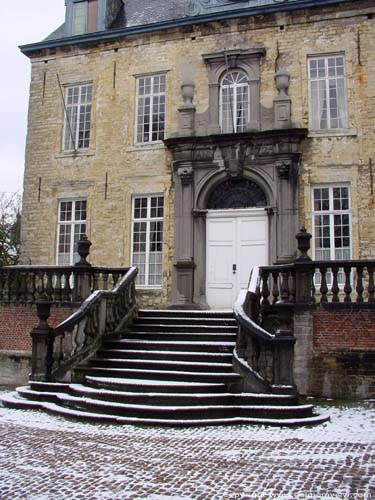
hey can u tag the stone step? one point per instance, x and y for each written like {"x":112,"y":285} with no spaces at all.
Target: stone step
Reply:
{"x":206,"y":357}
{"x":184,"y":329}
{"x":144,"y":364}
{"x":192,"y":321}
{"x":171,"y":345}
{"x":170,"y":375}
{"x":157,"y":399}
{"x":180,"y":336}
{"x":157,"y":410}
{"x":174,"y":313}
{"x":158,"y":386}
{"x":16,"y":401}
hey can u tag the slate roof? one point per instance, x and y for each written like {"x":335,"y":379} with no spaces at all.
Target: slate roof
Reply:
{"x":126,"y":16}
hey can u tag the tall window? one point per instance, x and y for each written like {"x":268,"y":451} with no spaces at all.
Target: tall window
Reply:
{"x":77,"y":123}
{"x":85,"y":17}
{"x":150,"y":121}
{"x":147,"y":232}
{"x":234,"y":102}
{"x":331,"y":225}
{"x":327,"y":85}
{"x":71,"y":228}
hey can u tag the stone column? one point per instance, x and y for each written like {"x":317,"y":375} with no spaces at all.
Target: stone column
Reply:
{"x":214,"y":125}
{"x":287,"y":216}
{"x":200,"y":258}
{"x":184,"y":266}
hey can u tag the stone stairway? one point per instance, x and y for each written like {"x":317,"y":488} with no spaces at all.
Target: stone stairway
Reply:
{"x":171,"y":368}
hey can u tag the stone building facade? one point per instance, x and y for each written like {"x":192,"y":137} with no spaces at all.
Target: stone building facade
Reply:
{"x":194,"y":138}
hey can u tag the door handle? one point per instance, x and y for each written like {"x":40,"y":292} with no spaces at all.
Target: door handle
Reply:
{"x":234,"y":268}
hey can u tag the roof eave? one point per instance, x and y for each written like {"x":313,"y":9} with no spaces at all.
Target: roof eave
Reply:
{"x":109,"y":35}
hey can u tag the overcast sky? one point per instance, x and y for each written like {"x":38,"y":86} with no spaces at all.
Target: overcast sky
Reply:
{"x":21,"y":22}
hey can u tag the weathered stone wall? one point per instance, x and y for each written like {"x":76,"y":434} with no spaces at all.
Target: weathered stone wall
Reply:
{"x":140,"y":169}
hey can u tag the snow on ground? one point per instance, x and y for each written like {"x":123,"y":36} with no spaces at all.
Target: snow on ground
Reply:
{"x":46,"y":457}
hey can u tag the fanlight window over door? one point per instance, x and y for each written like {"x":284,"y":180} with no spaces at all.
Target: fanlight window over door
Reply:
{"x":234,"y":102}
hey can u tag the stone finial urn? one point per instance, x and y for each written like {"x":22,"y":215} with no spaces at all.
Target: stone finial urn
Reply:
{"x":187,"y":92}
{"x":282,"y":78}
{"x":303,"y":239}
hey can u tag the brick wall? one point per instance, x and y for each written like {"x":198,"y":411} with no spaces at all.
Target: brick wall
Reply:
{"x":344,"y":329}
{"x":17,"y":321}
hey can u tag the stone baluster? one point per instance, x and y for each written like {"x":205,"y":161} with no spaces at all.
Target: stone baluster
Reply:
{"x":323,"y":285}
{"x":359,"y":287}
{"x":275,"y":286}
{"x":335,"y":286}
{"x":371,"y":284}
{"x":265,"y":293}
{"x":347,"y":287}
{"x":285,"y":292}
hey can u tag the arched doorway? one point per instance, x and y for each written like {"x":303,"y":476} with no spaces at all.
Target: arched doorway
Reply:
{"x":236,"y":239}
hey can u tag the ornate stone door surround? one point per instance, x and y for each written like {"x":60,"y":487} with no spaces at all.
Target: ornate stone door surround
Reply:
{"x":270,"y":159}
{"x":219,"y":63}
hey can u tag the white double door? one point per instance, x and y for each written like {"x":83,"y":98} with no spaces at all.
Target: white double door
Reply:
{"x":237,"y":240}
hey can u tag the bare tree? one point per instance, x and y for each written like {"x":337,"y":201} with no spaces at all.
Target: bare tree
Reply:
{"x":10,"y":228}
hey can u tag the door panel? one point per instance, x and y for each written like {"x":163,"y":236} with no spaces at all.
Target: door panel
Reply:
{"x":240,"y":239}
{"x":252,"y":247}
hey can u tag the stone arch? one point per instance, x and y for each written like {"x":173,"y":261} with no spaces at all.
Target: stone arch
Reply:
{"x":206,"y":189}
{"x":236,"y":193}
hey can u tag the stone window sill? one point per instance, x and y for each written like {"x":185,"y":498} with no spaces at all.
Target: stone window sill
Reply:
{"x":333,"y":133}
{"x":146,"y":146}
{"x":77,"y":154}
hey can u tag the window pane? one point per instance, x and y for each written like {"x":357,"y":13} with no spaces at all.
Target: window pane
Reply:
{"x":148,"y":239}
{"x":150,"y":108}
{"x":328,"y":103}
{"x":77,"y":121}
{"x":71,"y":228}
{"x":234,"y":105}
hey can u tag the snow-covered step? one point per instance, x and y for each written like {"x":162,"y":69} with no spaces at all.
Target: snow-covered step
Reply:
{"x":14,"y":401}
{"x":187,"y":376}
{"x":206,"y":357}
{"x":171,"y":345}
{"x":149,"y":385}
{"x":156,"y":364}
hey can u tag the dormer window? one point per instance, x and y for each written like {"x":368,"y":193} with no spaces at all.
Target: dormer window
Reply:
{"x":85,"y":17}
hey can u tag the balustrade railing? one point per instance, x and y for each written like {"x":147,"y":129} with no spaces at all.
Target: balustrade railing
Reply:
{"x":264,"y":359}
{"x":322,"y":282}
{"x":265,"y":312}
{"x":56,"y":352}
{"x":60,"y":284}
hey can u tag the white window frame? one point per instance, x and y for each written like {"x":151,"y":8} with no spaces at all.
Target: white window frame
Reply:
{"x":74,"y":223}
{"x":146,"y":282}
{"x":76,"y":115}
{"x":331,"y":212}
{"x":232,"y":125}
{"x":142,"y":137}
{"x":330,"y":84}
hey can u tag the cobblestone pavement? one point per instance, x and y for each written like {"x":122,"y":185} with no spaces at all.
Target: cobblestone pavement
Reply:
{"x":46,"y":457}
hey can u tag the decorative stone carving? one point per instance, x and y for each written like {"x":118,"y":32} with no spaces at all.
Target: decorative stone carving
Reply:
{"x":186,"y":175}
{"x":187,"y":110}
{"x":282,"y":103}
{"x":234,"y":159}
{"x":284,"y":169}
